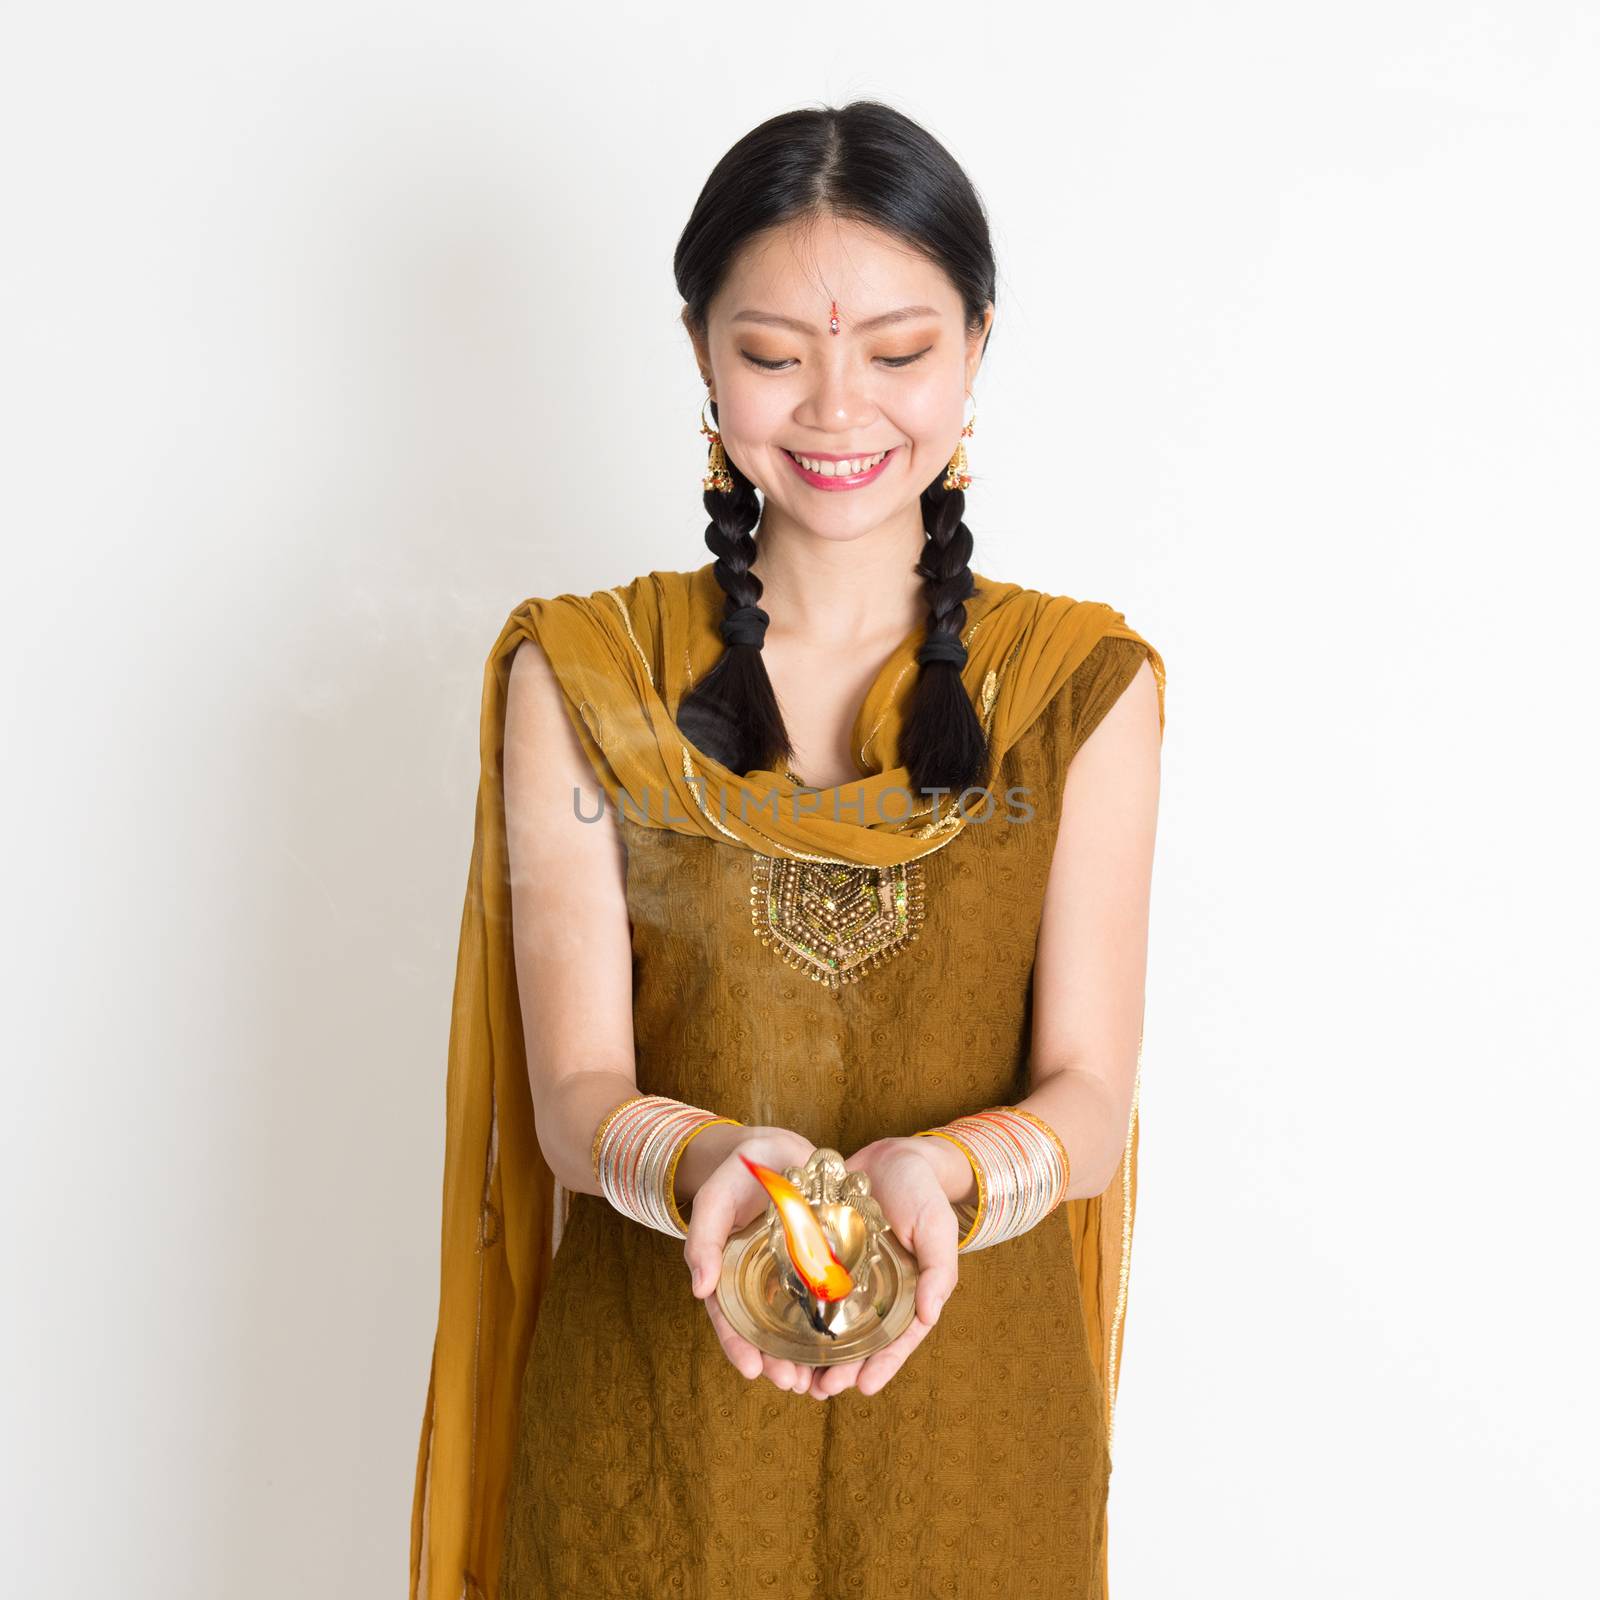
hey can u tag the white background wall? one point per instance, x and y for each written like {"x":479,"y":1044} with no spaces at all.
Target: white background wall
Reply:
{"x":333,"y":331}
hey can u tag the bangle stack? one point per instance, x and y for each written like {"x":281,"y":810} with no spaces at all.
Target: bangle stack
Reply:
{"x":1021,"y":1167}
{"x":636,"y":1152}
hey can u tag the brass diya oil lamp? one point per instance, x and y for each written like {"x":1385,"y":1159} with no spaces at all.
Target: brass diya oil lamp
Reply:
{"x":819,"y":1278}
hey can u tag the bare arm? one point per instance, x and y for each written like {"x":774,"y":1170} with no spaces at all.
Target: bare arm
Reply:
{"x":1089,"y":971}
{"x":572,"y":937}
{"x":571,"y":932}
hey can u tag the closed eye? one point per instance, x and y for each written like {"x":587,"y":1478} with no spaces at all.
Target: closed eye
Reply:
{"x":779,"y":366}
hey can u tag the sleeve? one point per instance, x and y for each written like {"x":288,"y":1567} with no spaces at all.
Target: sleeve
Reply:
{"x":1097,"y":682}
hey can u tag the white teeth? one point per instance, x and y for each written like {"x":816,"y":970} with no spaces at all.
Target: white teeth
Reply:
{"x":840,"y":469}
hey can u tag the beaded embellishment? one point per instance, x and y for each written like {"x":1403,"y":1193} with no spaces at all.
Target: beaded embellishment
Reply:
{"x":835,"y":921}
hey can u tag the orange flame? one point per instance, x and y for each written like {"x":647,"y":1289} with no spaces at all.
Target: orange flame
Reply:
{"x":820,"y":1269}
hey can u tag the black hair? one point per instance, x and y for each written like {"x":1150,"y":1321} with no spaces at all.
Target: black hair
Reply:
{"x":869,"y":163}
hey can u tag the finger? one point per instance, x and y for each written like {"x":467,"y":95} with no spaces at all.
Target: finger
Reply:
{"x":830,"y":1380}
{"x":703,"y":1280}
{"x":938,"y":1266}
{"x":878,"y":1368}
{"x":739,"y":1350}
{"x":785,"y":1374}
{"x":710,"y":1223}
{"x":753,"y":1362}
{"x":793,"y":1376}
{"x":935,"y":1283}
{"x":882,"y":1365}
{"x":871,"y":1372}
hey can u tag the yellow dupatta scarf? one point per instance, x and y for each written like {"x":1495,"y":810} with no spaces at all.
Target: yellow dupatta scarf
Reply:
{"x":624,"y":659}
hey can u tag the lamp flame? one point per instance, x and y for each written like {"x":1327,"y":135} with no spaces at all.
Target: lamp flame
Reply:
{"x":820,"y":1269}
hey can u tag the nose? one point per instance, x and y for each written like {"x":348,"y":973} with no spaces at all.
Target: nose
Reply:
{"x":839,"y":401}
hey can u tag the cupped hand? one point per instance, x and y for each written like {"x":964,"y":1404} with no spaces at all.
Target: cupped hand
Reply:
{"x":905,"y":1183}
{"x":728,"y":1199}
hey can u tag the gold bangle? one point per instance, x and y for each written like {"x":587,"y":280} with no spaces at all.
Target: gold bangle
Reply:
{"x":1055,"y":1139}
{"x":1020,"y":1167}
{"x":634,"y":1152}
{"x":977,"y":1173}
{"x":677,"y":1156}
{"x":600,"y":1132}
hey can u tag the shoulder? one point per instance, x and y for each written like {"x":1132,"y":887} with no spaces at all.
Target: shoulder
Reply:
{"x":1119,"y":659}
{"x":533,"y":695}
{"x":1113,"y":657}
{"x":1116,"y":670}
{"x":571,"y":622}
{"x":1044,"y":612}
{"x":659,"y":586}
{"x":1047,"y":609}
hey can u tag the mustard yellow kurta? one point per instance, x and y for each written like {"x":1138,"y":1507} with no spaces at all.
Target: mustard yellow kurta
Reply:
{"x":645,"y":1464}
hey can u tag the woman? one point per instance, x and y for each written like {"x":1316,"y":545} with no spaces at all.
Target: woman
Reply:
{"x":724,"y":961}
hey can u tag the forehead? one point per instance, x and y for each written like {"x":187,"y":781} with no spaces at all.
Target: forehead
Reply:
{"x":801,"y":267}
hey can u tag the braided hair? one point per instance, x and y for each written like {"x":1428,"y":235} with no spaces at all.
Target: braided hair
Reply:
{"x":869,"y":163}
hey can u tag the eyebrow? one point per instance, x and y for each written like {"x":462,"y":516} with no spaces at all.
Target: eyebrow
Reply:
{"x":771,"y":318}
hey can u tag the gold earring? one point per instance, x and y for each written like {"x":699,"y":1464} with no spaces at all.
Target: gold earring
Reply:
{"x":956,"y":474}
{"x":717,"y":477}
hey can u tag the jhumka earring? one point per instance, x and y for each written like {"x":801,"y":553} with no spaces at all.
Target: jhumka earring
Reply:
{"x":717,"y":477}
{"x":956,"y":475}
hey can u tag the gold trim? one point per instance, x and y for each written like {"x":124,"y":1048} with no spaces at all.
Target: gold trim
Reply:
{"x":781,"y":849}
{"x":592,"y":720}
{"x":955,"y":817}
{"x":991,"y":686}
{"x":873,"y":733}
{"x":778,"y":883}
{"x":627,"y":622}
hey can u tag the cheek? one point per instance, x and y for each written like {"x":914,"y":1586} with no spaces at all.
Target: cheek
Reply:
{"x":750,"y":424}
{"x":931,"y":424}
{"x":750,"y":414}
{"x":930,"y":413}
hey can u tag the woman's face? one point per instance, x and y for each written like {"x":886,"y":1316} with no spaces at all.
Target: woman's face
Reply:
{"x":894,"y":378}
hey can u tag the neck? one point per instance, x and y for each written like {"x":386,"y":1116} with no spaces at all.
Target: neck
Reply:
{"x":837,"y":592}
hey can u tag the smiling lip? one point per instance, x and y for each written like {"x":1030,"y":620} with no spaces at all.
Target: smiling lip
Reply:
{"x":817,"y":481}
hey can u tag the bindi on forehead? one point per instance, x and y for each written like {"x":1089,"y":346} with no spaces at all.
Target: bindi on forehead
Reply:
{"x":885,"y":319}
